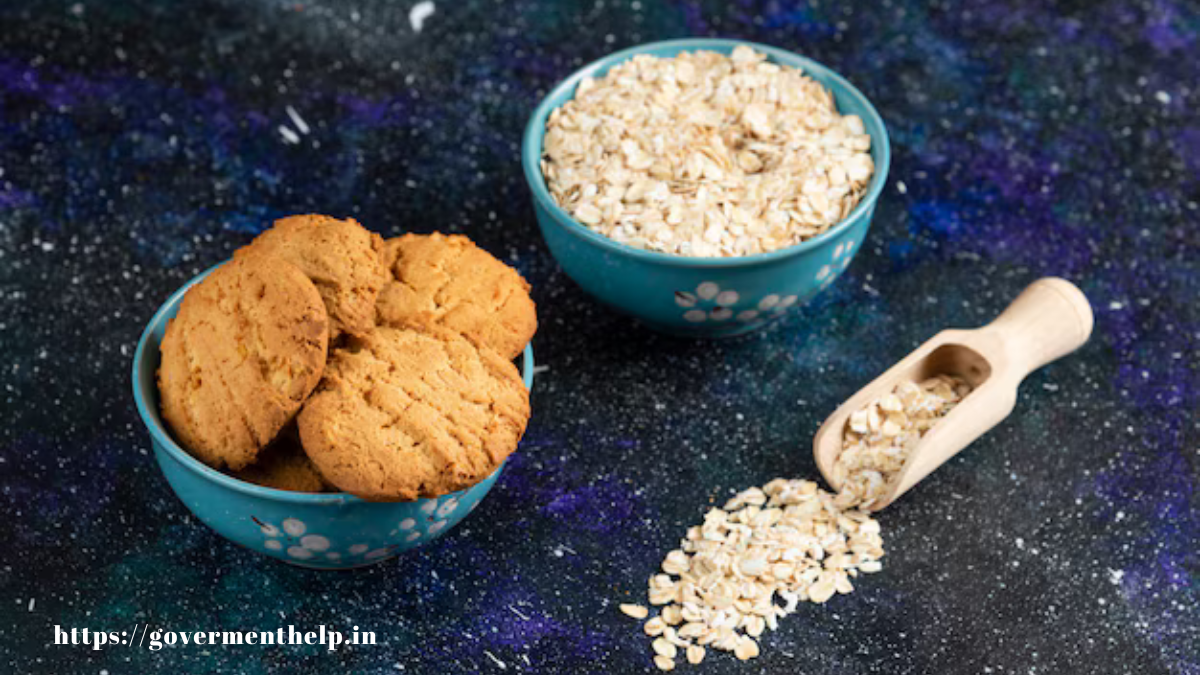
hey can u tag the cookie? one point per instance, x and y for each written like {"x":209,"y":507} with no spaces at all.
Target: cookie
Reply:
{"x":341,"y":257}
{"x":246,"y":348}
{"x":439,"y":280}
{"x":413,"y":412}
{"x":284,"y":466}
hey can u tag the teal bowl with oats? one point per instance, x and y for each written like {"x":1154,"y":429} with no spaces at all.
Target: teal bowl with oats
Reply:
{"x":323,"y":531}
{"x":703,"y":297}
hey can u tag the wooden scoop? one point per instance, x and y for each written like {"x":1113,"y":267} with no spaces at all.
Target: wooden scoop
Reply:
{"x":1051,"y":318}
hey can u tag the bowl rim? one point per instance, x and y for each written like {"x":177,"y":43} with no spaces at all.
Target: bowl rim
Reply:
{"x":159,"y":433}
{"x":531,"y":156}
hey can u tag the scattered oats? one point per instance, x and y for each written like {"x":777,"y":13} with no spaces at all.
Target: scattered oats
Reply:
{"x":754,"y":561}
{"x":654,"y":626}
{"x":672,"y":615}
{"x":706,"y":155}
{"x":635,"y":611}
{"x":746,"y":649}
{"x":664,"y":648}
{"x":879,"y":438}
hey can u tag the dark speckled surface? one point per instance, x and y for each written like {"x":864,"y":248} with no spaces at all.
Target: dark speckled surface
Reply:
{"x":141,"y":143}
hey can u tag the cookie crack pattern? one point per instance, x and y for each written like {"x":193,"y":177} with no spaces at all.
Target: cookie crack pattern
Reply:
{"x":417,"y":397}
{"x":458,"y":428}
{"x":340,"y":258}
{"x":333,"y":294}
{"x":195,"y":380}
{"x":229,"y":394}
{"x":399,"y":276}
{"x":247,"y":328}
{"x":438,"y":297}
{"x":420,"y":407}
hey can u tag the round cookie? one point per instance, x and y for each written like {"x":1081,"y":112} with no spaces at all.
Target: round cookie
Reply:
{"x":439,"y":280}
{"x":284,"y":466}
{"x":341,"y":257}
{"x":413,"y":412}
{"x":245,"y":349}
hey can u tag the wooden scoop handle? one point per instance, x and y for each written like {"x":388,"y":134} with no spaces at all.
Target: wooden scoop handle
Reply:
{"x":1049,"y":319}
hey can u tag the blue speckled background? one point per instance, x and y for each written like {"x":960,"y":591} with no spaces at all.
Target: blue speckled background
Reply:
{"x":141,"y":143}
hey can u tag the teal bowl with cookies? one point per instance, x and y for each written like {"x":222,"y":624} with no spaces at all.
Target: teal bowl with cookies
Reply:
{"x":703,"y":297}
{"x":318,"y":530}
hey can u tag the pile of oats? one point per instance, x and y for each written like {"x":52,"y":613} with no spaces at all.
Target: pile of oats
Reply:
{"x":751,"y":563}
{"x":706,"y":155}
{"x":879,"y":438}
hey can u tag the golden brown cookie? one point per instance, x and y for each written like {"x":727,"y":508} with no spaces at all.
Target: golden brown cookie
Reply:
{"x":406,"y":413}
{"x":439,"y":280}
{"x":245,"y":349}
{"x":342,"y":258}
{"x":284,"y":466}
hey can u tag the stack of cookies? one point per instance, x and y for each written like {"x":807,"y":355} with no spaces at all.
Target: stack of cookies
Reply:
{"x":323,"y":358}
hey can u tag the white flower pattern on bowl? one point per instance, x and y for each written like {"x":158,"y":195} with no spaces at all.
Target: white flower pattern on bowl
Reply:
{"x":293,"y":537}
{"x":840,"y":261}
{"x":710,"y":302}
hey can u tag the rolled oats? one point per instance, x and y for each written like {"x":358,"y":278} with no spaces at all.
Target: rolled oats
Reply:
{"x":634,"y":611}
{"x":664,"y":648}
{"x":754,"y":561}
{"x":879,"y":438}
{"x":654,"y":627}
{"x":706,"y":155}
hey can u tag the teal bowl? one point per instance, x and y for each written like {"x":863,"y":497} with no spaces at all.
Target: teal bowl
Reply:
{"x":703,"y":297}
{"x":324,"y":531}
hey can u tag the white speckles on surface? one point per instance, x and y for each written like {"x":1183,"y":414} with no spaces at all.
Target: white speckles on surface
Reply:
{"x":288,"y":135}
{"x":407,"y":524}
{"x":294,"y":527}
{"x":109,"y":206}
{"x":273,"y":545}
{"x":358,"y":548}
{"x":419,"y":13}
{"x":297,"y":120}
{"x":377,"y":553}
{"x":436,"y":526}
